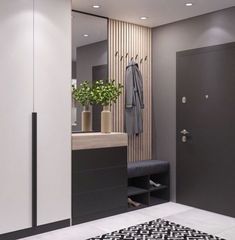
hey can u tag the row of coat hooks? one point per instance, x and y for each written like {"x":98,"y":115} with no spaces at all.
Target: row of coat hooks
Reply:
{"x":132,"y":58}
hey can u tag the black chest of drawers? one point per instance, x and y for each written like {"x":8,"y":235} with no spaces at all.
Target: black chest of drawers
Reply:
{"x":99,"y":183}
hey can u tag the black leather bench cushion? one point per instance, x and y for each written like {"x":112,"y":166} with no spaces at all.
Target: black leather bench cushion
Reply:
{"x":148,"y":167}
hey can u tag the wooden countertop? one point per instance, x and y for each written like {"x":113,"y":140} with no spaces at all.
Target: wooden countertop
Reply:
{"x":98,"y":140}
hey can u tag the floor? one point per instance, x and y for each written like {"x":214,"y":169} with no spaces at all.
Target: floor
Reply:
{"x":204,"y":221}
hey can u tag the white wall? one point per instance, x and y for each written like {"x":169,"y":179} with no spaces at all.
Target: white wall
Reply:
{"x":210,"y":29}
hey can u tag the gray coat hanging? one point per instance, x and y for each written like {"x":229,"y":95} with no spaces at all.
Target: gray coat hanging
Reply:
{"x":134,"y":101}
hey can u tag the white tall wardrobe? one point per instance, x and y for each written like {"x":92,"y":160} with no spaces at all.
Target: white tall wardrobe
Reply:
{"x":35,"y":76}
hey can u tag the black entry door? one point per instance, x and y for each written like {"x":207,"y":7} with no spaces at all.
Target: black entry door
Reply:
{"x":206,"y":128}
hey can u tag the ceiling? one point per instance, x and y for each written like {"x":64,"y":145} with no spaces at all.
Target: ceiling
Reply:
{"x":159,"y":12}
{"x":94,"y":27}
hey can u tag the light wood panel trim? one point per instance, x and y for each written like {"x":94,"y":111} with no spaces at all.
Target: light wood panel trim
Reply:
{"x":98,"y":140}
{"x":132,"y":39}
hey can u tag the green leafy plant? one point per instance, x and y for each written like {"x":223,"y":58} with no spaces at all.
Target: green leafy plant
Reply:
{"x":83,"y":94}
{"x":106,"y":93}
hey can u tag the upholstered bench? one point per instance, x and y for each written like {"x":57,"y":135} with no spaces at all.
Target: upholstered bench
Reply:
{"x":147,"y":167}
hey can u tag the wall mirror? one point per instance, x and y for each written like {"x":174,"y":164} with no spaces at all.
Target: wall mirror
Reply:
{"x":89,"y":60}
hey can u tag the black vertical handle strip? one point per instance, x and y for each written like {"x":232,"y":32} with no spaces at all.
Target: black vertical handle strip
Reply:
{"x":34,"y":169}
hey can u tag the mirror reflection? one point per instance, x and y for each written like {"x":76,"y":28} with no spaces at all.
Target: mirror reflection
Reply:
{"x":89,"y":62}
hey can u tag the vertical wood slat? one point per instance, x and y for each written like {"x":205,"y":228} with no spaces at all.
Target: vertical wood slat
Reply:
{"x":126,"y":38}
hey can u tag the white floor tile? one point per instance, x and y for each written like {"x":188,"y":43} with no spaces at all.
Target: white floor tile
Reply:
{"x":164,"y":210}
{"x":228,"y":234}
{"x":203,"y":220}
{"x":190,"y":217}
{"x":78,"y":232}
{"x":121,"y":221}
{"x":140,"y":216}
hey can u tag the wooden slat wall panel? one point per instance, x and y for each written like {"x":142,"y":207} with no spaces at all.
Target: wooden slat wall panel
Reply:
{"x":128,"y":40}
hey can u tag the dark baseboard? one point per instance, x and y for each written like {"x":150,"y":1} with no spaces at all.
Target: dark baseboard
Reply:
{"x":35,"y":230}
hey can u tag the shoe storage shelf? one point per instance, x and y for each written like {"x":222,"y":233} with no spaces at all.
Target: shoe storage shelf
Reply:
{"x":140,"y":192}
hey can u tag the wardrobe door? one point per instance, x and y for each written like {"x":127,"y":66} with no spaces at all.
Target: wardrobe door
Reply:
{"x":53,"y":106}
{"x":16,"y":106}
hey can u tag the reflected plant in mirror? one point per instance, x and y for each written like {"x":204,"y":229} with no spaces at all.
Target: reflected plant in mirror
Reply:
{"x":83,"y":94}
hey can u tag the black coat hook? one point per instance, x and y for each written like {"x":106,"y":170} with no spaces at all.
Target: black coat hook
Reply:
{"x":127,"y":55}
{"x":136,"y":56}
{"x":116,"y":54}
{"x":132,"y":58}
{"x":146,"y":58}
{"x":121,"y":58}
{"x":141,"y":60}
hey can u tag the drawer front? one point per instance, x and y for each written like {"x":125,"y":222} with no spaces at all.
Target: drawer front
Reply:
{"x":92,"y":180}
{"x":99,"y":201}
{"x":99,"y":158}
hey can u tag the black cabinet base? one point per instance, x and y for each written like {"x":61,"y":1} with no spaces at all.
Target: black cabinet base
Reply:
{"x":99,"y":215}
{"x":99,"y":183}
{"x":35,"y":230}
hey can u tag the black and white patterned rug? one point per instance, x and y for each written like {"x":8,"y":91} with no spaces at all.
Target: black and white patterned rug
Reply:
{"x":157,"y":229}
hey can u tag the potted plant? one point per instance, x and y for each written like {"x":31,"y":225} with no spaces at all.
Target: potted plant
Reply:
{"x":105,"y":94}
{"x":83,"y":95}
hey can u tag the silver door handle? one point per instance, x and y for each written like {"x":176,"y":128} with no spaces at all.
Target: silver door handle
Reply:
{"x":184,"y":132}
